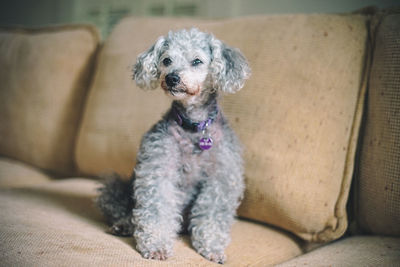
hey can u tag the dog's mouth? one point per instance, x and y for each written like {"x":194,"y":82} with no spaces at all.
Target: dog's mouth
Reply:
{"x":172,"y":90}
{"x":177,"y":90}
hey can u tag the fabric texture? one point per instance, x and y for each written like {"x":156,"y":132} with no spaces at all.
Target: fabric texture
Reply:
{"x":16,"y":174}
{"x":352,"y":251}
{"x":44,"y":76}
{"x":378,"y":182}
{"x":298,"y":115}
{"x":56,"y":224}
{"x":299,"y":118}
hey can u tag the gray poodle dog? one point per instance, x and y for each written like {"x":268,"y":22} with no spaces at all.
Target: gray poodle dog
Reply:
{"x":189,"y":171}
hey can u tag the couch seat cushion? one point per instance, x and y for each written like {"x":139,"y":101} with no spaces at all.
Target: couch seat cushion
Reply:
{"x":56,"y":224}
{"x":16,"y":174}
{"x":353,"y":251}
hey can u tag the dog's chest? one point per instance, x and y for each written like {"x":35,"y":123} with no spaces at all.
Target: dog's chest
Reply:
{"x":193,"y":163}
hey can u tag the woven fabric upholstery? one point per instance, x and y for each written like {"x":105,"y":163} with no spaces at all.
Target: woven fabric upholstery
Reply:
{"x":56,"y":224}
{"x":14,"y":173}
{"x":44,"y":76}
{"x":378,"y":182}
{"x":352,"y":251}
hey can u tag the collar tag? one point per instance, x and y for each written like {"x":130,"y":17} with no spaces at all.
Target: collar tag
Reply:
{"x":205,"y":143}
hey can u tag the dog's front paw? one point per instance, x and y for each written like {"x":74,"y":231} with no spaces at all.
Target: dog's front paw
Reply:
{"x":216,"y":255}
{"x":161,"y":255}
{"x":150,"y":247}
{"x":210,"y":245}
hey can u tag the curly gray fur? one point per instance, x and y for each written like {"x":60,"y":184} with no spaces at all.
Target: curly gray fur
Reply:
{"x":176,"y":186}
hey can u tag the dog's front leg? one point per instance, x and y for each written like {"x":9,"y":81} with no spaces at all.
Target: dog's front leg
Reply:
{"x":156,"y":213}
{"x":212,"y":216}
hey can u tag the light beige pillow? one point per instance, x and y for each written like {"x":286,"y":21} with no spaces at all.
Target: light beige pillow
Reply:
{"x":299,"y":119}
{"x":44,"y":76}
{"x":295,"y":117}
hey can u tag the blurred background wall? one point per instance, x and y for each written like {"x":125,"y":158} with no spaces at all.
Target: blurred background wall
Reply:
{"x":106,"y":13}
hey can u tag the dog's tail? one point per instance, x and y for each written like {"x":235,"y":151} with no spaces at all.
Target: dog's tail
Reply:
{"x":115,"y":199}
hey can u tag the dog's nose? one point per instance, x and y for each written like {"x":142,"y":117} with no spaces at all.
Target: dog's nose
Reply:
{"x":172,"y":79}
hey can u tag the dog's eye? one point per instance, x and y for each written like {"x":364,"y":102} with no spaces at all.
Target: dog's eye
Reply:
{"x":196,"y":62}
{"x":167,"y":61}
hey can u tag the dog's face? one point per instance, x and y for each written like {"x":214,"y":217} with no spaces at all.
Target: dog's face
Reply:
{"x":189,"y":64}
{"x":184,"y":69}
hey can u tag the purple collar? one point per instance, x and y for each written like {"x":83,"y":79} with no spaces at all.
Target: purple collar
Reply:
{"x":188,"y":124}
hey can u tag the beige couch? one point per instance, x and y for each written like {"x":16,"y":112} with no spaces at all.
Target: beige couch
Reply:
{"x":319,"y":119}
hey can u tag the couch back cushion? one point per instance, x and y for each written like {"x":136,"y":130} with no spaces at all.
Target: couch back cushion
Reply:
{"x":44,"y":76}
{"x":297,"y":115}
{"x":378,"y":180}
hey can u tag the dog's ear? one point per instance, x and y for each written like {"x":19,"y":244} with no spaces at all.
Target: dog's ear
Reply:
{"x":145,"y":71}
{"x":229,"y":68}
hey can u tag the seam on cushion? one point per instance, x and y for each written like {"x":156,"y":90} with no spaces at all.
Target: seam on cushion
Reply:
{"x":90,"y":84}
{"x":92,"y":70}
{"x":329,"y":232}
{"x":374,"y":23}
